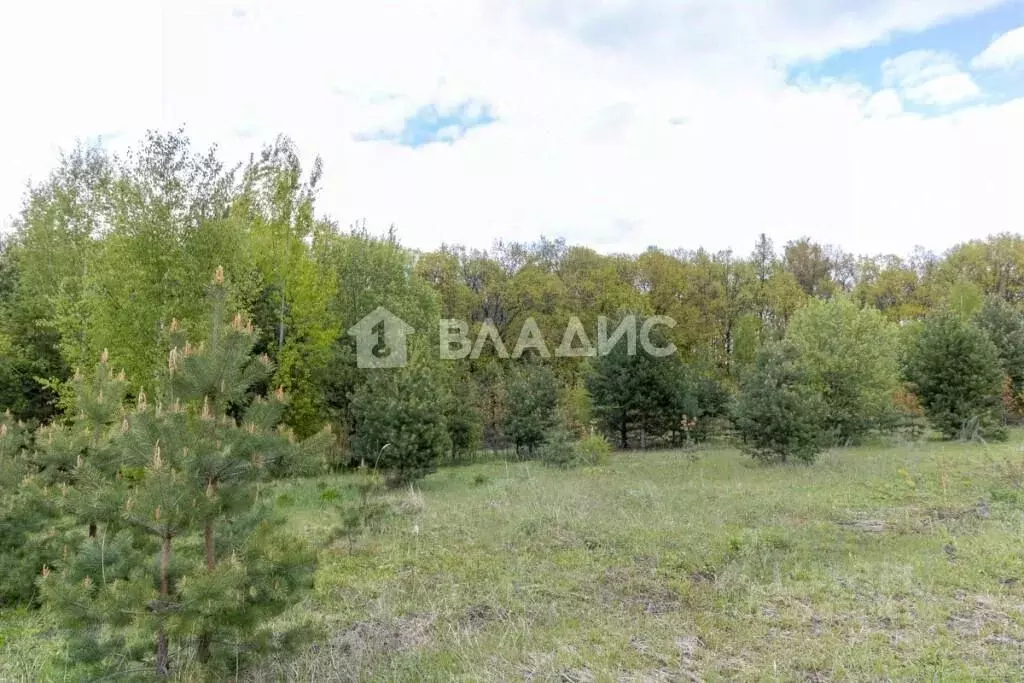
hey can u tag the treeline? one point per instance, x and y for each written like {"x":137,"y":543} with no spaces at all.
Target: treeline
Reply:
{"x":108,"y":250}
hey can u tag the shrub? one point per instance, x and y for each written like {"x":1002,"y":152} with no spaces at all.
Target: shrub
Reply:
{"x":561,"y":450}
{"x":558,"y":449}
{"x":592,"y":450}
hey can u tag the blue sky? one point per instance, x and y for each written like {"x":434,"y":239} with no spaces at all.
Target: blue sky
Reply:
{"x":963,"y":39}
{"x":876,"y":125}
{"x":434,"y":124}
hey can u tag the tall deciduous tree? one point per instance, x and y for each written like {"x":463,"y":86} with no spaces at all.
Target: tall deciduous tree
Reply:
{"x":851,"y":358}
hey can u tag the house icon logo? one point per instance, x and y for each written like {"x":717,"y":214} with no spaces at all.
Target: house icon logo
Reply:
{"x":381,"y":340}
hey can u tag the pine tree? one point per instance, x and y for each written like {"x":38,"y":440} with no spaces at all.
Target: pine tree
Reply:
{"x":399,"y":422}
{"x":190,"y":557}
{"x":78,"y":457}
{"x":24,"y":548}
{"x":777,"y":414}
{"x":1004,"y":325}
{"x":655,"y":396}
{"x":532,"y":406}
{"x":955,"y":371}
{"x":462,"y":415}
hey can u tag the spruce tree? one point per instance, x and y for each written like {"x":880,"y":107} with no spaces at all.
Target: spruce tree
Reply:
{"x":190,"y":557}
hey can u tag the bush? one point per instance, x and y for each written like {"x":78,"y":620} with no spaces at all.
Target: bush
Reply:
{"x":558,"y":449}
{"x":777,"y":414}
{"x":592,"y":450}
{"x":561,"y":450}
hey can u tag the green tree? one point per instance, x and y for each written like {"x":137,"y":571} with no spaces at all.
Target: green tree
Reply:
{"x":1004,"y":325}
{"x":778,"y":415}
{"x":851,"y":358}
{"x":25,"y":513}
{"x":532,"y":406}
{"x":366,"y":272}
{"x":399,"y":421}
{"x":462,"y":415}
{"x":185,"y":500}
{"x":638,"y":394}
{"x":810,"y":264}
{"x":955,"y":371}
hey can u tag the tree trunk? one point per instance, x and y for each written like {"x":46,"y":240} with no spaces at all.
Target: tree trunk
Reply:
{"x":203,"y":646}
{"x":624,"y":434}
{"x":163,"y":650}
{"x":211,"y":562}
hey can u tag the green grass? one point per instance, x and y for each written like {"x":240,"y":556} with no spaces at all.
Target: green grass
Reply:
{"x":901,"y":563}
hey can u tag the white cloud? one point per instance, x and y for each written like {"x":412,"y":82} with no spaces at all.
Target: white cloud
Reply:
{"x":929,"y":77}
{"x":585,"y":146}
{"x":884,"y":103}
{"x":1005,"y":51}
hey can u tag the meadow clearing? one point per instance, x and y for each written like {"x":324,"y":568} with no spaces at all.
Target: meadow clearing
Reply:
{"x":894,"y":562}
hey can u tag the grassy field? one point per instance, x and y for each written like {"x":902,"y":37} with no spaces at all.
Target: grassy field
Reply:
{"x":901,"y":563}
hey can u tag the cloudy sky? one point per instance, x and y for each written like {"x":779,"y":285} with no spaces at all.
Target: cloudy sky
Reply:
{"x":877,"y":125}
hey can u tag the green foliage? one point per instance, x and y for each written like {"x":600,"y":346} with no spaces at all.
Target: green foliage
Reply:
{"x":25,"y":548}
{"x":851,"y":358}
{"x":955,"y":371}
{"x":365,"y":272}
{"x":181,"y":551}
{"x":965,"y":298}
{"x":463,"y":416}
{"x":399,"y":422}
{"x":778,"y":415}
{"x":532,"y":406}
{"x":558,"y":448}
{"x":562,"y":449}
{"x":1004,"y":325}
{"x":592,"y":450}
{"x":637,"y":394}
